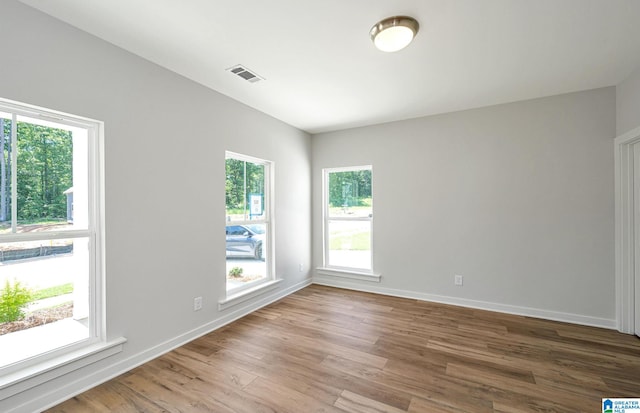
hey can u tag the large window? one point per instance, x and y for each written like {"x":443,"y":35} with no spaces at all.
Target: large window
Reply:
{"x":50,"y":241}
{"x":348,"y":215}
{"x":248,"y":226}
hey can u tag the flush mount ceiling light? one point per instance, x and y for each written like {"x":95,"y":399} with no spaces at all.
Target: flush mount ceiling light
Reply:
{"x":394,"y":33}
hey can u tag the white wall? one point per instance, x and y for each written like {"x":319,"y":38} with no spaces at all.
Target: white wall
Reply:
{"x":628,"y":103}
{"x":517,"y":198}
{"x":165,"y":139}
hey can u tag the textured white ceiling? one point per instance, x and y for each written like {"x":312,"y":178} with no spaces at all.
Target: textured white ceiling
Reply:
{"x":323,"y":73}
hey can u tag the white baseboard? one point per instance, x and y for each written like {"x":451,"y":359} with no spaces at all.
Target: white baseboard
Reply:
{"x":464,"y":302}
{"x":95,"y":378}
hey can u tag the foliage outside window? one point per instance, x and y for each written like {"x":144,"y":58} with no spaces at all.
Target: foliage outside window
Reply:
{"x":348,"y":218}
{"x":248,"y":231}
{"x":48,"y":233}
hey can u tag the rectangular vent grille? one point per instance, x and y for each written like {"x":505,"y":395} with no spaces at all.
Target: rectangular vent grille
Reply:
{"x":246,"y":74}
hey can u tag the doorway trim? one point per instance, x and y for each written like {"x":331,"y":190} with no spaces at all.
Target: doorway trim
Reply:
{"x":625,"y":238}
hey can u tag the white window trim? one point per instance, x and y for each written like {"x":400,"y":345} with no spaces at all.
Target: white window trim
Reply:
{"x":22,"y":380}
{"x":247,"y":294}
{"x":41,"y":368}
{"x":236,"y":295}
{"x":626,"y":190}
{"x":345,"y":272}
{"x":348,"y":273}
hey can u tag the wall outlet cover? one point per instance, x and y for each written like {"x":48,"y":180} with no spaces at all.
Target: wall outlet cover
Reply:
{"x":197,"y":304}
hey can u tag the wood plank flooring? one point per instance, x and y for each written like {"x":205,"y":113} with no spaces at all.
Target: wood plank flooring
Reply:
{"x":323,"y":349}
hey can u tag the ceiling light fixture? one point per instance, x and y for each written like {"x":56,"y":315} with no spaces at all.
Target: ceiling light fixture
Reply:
{"x":394,"y":33}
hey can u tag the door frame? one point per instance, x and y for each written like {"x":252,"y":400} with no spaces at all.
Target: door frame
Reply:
{"x":625,"y":238}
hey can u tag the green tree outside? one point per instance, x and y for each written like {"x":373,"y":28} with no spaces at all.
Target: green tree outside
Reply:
{"x":349,"y":188}
{"x":43,"y":169}
{"x":237,"y":171}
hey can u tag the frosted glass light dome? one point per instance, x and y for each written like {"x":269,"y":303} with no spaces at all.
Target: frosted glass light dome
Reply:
{"x":394,"y":33}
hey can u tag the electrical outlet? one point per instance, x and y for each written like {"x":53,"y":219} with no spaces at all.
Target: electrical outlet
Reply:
{"x":197,"y":304}
{"x":457,"y":280}
{"x":300,"y":267}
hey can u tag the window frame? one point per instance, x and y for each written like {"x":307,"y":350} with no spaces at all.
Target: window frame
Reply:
{"x":267,"y":221}
{"x":94,"y":233}
{"x":327,"y":219}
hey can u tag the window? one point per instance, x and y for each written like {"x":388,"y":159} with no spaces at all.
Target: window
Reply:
{"x":248,"y":229}
{"x":50,"y":239}
{"x":348,"y":215}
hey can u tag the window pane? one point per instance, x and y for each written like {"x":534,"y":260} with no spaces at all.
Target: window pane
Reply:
{"x":55,"y":276}
{"x":245,"y":190}
{"x":246,"y":252}
{"x":248,"y":227}
{"x":350,"y":193}
{"x":349,"y":244}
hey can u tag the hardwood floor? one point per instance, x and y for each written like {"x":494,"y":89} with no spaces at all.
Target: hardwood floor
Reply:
{"x":329,"y":350}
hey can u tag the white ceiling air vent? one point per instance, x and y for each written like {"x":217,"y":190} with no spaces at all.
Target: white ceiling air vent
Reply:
{"x":245,"y":73}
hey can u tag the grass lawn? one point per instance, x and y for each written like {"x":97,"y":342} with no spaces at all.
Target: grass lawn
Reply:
{"x":28,"y":222}
{"x":360,"y":241}
{"x":53,"y":291}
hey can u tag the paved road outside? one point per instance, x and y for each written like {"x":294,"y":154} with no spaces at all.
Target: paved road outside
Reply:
{"x":38,"y":273}
{"x":250,"y":266}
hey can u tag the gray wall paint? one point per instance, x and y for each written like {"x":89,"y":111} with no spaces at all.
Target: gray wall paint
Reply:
{"x":165,"y":139}
{"x":628,"y":103}
{"x":517,"y":198}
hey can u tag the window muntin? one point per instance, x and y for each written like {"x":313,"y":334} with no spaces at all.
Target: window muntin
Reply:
{"x":348,"y":215}
{"x":248,"y":229}
{"x":50,"y":213}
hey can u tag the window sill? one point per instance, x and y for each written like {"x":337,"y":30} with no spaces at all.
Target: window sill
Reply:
{"x":247,"y":294}
{"x":352,"y":274}
{"x":24,"y":379}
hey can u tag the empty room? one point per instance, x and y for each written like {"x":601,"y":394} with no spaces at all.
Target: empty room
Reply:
{"x":428,"y":205}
